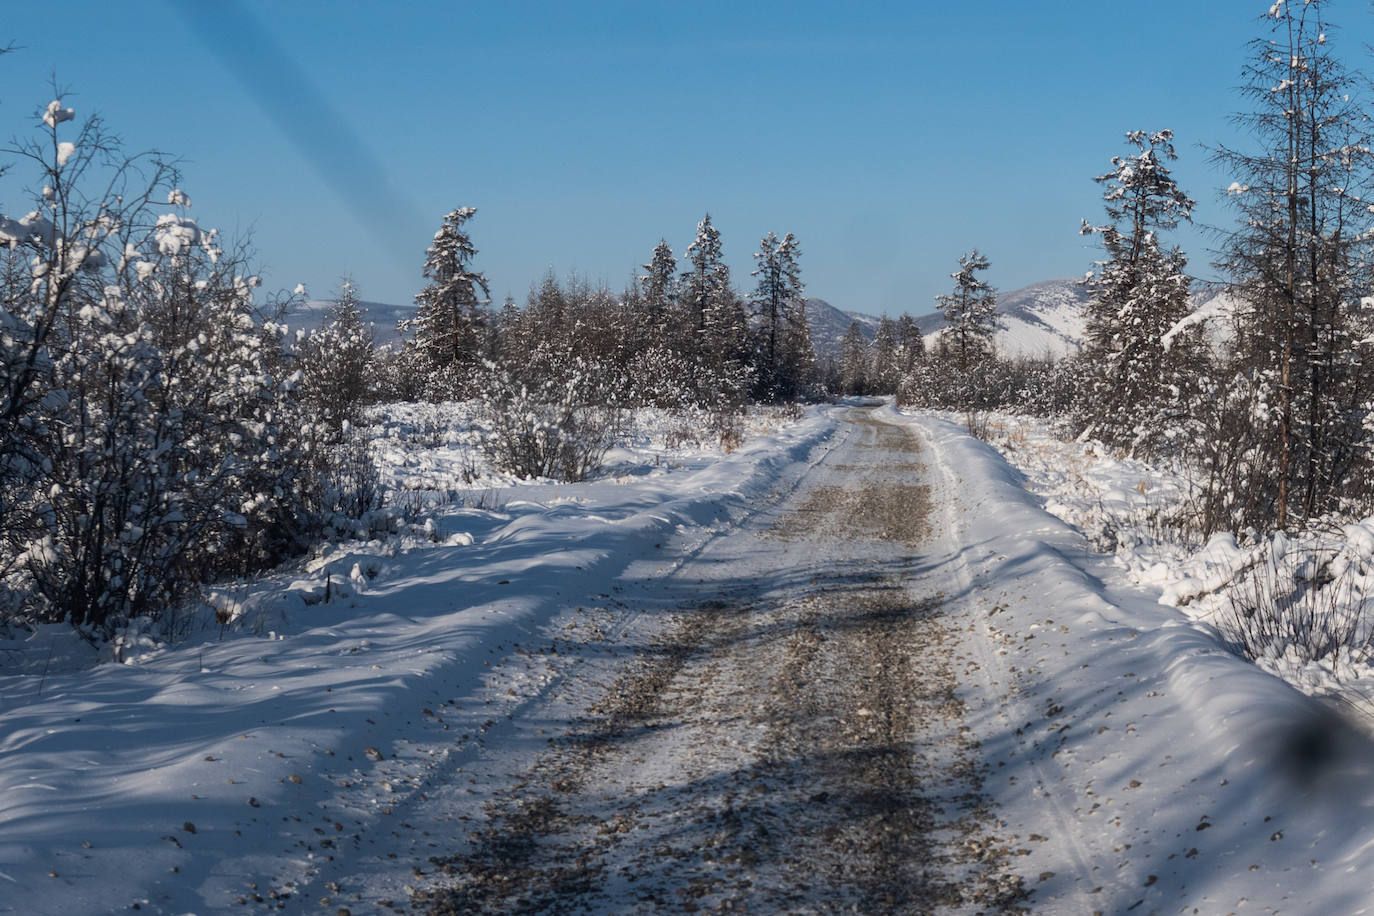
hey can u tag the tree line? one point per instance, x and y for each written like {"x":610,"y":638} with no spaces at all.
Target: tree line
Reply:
{"x":1268,"y":400}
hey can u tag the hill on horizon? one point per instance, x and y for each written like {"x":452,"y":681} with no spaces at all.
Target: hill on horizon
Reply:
{"x":1042,"y":319}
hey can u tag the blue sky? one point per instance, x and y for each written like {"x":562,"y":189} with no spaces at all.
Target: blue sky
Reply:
{"x":890,"y":137}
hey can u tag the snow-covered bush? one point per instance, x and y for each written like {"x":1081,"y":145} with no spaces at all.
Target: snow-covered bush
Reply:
{"x":558,"y":426}
{"x":1300,"y":603}
{"x":336,"y":362}
{"x":1040,"y":387}
{"x":152,"y":433}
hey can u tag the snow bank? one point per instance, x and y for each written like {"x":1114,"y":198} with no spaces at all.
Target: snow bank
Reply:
{"x":1138,"y":760}
{"x":1321,"y":581}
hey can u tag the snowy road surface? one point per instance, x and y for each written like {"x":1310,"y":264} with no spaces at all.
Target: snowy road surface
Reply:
{"x":793,"y":740}
{"x":852,"y":666}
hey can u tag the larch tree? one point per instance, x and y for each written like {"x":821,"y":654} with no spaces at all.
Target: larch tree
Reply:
{"x":911,"y":344}
{"x":854,"y":361}
{"x":1299,"y":262}
{"x":778,"y":310}
{"x":797,"y":352}
{"x":1138,"y":375}
{"x":885,"y":366}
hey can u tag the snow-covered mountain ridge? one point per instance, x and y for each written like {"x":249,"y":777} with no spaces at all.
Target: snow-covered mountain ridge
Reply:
{"x":1043,"y":318}
{"x":1036,"y":320}
{"x":829,"y":323}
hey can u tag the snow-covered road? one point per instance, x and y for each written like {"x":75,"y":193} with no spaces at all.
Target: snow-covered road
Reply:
{"x":852,"y":664}
{"x":790,"y":736}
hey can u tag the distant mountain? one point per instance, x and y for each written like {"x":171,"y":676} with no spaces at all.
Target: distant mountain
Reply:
{"x":1216,"y":310}
{"x":384,"y":317}
{"x":1040,"y":319}
{"x":828,"y":326}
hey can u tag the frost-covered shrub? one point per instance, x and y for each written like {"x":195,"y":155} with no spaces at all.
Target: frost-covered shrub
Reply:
{"x":1300,"y":603}
{"x":351,"y":485}
{"x":558,"y":427}
{"x":336,"y":362}
{"x":395,"y":375}
{"x":153,"y":437}
{"x":1041,"y":387}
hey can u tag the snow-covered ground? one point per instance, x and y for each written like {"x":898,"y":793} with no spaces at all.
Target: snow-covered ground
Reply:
{"x":1137,"y":763}
{"x":241,"y":764}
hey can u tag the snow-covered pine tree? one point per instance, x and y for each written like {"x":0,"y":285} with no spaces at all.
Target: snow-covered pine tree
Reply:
{"x":1139,"y":383}
{"x":723,"y":357}
{"x":1300,"y":263}
{"x":911,"y":344}
{"x":712,"y":328}
{"x":797,"y":353}
{"x":777,"y":313}
{"x":970,"y":313}
{"x":658,"y":288}
{"x":702,"y":281}
{"x":448,"y":326}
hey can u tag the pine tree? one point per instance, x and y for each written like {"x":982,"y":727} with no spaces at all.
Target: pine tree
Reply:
{"x":724,"y":343}
{"x":970,"y":314}
{"x":703,"y":281}
{"x":911,"y":344}
{"x":797,"y":353}
{"x":1138,"y":379}
{"x":448,"y":324}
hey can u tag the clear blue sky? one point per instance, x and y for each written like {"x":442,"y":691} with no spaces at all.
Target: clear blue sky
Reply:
{"x":890,"y":137}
